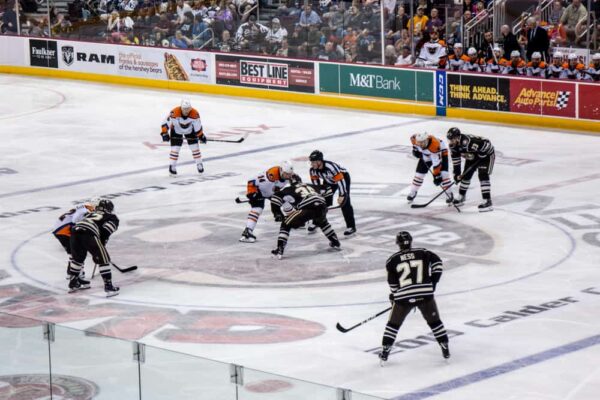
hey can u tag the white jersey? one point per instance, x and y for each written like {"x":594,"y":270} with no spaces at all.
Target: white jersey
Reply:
{"x":177,"y":123}
{"x":434,"y":152}
{"x":267,"y":182}
{"x":431,"y":54}
{"x":70,"y":218}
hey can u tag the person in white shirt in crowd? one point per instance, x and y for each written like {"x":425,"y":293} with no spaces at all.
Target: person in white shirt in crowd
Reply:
{"x":405,"y":58}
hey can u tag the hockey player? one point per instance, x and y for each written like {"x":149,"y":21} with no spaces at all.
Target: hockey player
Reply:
{"x":297,"y":204}
{"x":458,"y":59}
{"x":497,"y":64}
{"x":536,"y":67}
{"x":573,"y":68}
{"x":263,"y":187}
{"x":413,"y":274}
{"x":593,"y":72}
{"x":479,"y":154}
{"x":183,"y":121}
{"x":555,"y":70}
{"x":329,"y":176}
{"x":516,"y":65}
{"x":433,"y":53}
{"x":473,"y":64}
{"x":433,"y":155}
{"x":90,"y":235}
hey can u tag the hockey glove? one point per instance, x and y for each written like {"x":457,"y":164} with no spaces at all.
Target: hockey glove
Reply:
{"x":392,"y":299}
{"x":165,"y":137}
{"x":278,"y":217}
{"x":457,"y":178}
{"x":416,"y":153}
{"x":252,"y":196}
{"x":202,"y":139}
{"x":437,"y":180}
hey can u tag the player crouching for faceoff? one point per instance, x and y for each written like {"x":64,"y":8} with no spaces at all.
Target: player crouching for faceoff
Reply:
{"x":413,"y":275}
{"x":432,"y":154}
{"x":90,"y":235}
{"x":263,"y":187}
{"x":183,"y":121}
{"x":479,"y":154}
{"x":297,"y":204}
{"x":64,"y":225}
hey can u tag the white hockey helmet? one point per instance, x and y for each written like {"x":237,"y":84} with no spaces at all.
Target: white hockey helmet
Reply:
{"x":457,"y":45}
{"x":596,"y":57}
{"x":557,"y":54}
{"x":421,"y":137}
{"x":536,"y":55}
{"x":286,"y":167}
{"x":515,"y":53}
{"x":472,"y":51}
{"x":186,"y":106}
{"x":94,"y":201}
{"x":572,"y":56}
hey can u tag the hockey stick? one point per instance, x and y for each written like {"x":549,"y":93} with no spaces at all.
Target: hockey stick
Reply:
{"x":240,"y":140}
{"x":240,"y":200}
{"x":122,"y":270}
{"x":344,"y":330}
{"x":444,"y":190}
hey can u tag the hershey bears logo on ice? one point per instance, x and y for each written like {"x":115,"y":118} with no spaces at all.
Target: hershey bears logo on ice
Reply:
{"x":37,"y":387}
{"x":68,"y":54}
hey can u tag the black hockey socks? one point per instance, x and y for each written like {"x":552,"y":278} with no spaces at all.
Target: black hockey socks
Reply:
{"x":439,"y":332}
{"x":485,"y":189}
{"x":389,"y":335}
{"x":105,"y":272}
{"x":464,"y":186}
{"x":74,"y":268}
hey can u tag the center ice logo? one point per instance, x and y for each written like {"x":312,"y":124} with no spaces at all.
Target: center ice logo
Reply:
{"x":190,"y":249}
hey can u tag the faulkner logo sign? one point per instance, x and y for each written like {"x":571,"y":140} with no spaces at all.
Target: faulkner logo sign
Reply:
{"x":264,"y":73}
{"x":43,"y":53}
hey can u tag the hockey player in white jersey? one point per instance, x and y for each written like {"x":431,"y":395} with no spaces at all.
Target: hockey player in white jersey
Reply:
{"x":432,"y":55}
{"x":263,"y":187}
{"x":183,"y":121}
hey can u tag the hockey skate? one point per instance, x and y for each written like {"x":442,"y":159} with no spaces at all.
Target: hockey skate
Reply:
{"x":311,"y":228}
{"x":383,"y":355}
{"x":76,"y":284}
{"x":449,"y":199}
{"x":172,"y":171}
{"x":200,"y":168}
{"x":411,"y":196}
{"x":110,"y":290}
{"x":247,"y":236}
{"x":445,"y":349}
{"x":277,"y":253}
{"x":459,"y":201}
{"x":349,"y":231}
{"x":334,"y":243}
{"x":486,"y":206}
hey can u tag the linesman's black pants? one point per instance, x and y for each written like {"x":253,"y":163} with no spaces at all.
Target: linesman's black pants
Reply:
{"x":347,"y":210}
{"x":82,"y":242}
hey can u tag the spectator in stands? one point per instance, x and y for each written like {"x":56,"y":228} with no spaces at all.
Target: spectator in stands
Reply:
{"x":328,"y":53}
{"x":389,"y":55}
{"x":418,"y":23}
{"x":516,"y":65}
{"x":275,"y":36}
{"x":455,"y":35}
{"x":366,"y":46}
{"x":369,"y":20}
{"x":179,"y":41}
{"x":313,"y":38}
{"x":283,"y":50}
{"x":9,"y":19}
{"x":182,"y":8}
{"x":468,"y":6}
{"x":405,"y":58}
{"x":509,"y":40}
{"x":223,"y":19}
{"x":200,"y":32}
{"x":251,"y":35}
{"x":435,"y":21}
{"x":187,"y":26}
{"x":537,"y":39}
{"x":574,"y":13}
{"x":467,"y":17}
{"x":480,"y":11}
{"x":309,"y":17}
{"x":486,"y":47}
{"x":352,"y":17}
{"x":389,"y":18}
{"x":226,"y":43}
{"x":402,"y":19}
{"x":498,"y":63}
{"x":556,"y":13}
{"x":335,"y":20}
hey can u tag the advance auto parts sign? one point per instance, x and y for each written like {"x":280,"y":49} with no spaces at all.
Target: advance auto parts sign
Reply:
{"x":555,"y":98}
{"x":478,"y":92}
{"x":264,"y":73}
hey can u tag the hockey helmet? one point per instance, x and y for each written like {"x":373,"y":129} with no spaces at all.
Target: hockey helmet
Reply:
{"x":453,"y":133}
{"x":404,"y":240}
{"x":286,"y":167}
{"x":94,"y":201}
{"x":186,"y":106}
{"x":572,"y":56}
{"x":105,"y":205}
{"x":596,"y":57}
{"x":316,"y":155}
{"x":515,"y":53}
{"x":536,"y":55}
{"x":421,"y":137}
{"x":557,"y":54}
{"x":472,"y":51}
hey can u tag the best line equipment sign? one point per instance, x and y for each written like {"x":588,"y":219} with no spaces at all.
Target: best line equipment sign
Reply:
{"x":264,"y":73}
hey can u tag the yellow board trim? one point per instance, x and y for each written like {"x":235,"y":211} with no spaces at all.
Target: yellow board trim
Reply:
{"x":360,"y":103}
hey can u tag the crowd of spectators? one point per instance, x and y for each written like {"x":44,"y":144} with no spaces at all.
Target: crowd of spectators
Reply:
{"x":349,"y":31}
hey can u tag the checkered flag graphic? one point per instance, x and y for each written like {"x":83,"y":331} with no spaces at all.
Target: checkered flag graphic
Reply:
{"x":562,"y":100}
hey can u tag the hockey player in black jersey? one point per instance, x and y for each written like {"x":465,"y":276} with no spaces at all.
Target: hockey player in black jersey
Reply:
{"x":331,"y":177}
{"x":479,"y":155}
{"x":413,"y":274}
{"x":90,"y":235}
{"x":295,"y":205}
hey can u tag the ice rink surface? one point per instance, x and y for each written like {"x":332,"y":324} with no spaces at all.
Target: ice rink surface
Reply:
{"x":520,"y":294}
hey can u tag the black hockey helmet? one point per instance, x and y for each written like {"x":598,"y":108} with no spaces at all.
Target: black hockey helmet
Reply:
{"x":404,"y":240}
{"x":105,"y":205}
{"x":316,"y":155}
{"x":453,"y":133}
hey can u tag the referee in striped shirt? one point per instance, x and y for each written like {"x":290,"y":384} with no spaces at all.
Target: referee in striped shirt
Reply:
{"x":331,"y":177}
